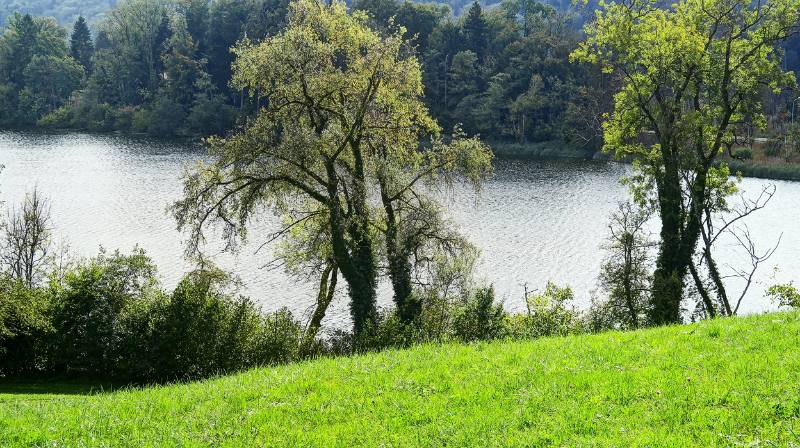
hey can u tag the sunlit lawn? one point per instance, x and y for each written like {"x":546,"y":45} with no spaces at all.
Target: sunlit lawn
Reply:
{"x":733,"y":382}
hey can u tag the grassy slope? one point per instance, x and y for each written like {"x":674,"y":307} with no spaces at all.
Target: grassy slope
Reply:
{"x":720,"y":383}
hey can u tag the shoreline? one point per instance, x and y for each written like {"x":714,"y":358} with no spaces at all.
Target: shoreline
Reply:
{"x":563,"y":150}
{"x":551,"y":149}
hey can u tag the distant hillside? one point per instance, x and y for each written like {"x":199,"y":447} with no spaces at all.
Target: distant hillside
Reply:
{"x":65,"y":11}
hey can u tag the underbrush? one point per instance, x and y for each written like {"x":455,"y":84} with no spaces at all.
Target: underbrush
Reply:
{"x":108,"y":318}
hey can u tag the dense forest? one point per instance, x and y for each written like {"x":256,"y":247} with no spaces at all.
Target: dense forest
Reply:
{"x":164,"y":68}
{"x":67,"y":11}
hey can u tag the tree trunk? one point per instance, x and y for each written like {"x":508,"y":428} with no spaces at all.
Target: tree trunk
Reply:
{"x":363,"y":272}
{"x":352,"y":244}
{"x":627,"y":282}
{"x":701,"y":289}
{"x":713,"y":272}
{"x":399,"y":264}
{"x":669,"y":273}
{"x":327,"y":288}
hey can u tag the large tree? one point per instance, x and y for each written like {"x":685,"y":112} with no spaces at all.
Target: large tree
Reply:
{"x":691,"y":74}
{"x":341,"y":103}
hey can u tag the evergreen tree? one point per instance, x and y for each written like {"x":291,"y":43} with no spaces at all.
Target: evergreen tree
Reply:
{"x":160,"y":42}
{"x":181,"y":70}
{"x":196,"y":13}
{"x":474,"y":28}
{"x":19,"y":48}
{"x":81,"y":47}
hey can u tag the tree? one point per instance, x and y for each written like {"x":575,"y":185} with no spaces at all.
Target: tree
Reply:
{"x":181,"y":70}
{"x":691,"y":73}
{"x":474,"y":29}
{"x":226,"y":23}
{"x":52,"y":79}
{"x":81,"y":48}
{"x":130,"y":66}
{"x":25,"y":40}
{"x":343,"y":103}
{"x":412,"y":225}
{"x":625,"y":275}
{"x":196,"y":13}
{"x":324,"y":97}
{"x":722,"y":218}
{"x":27,"y":239}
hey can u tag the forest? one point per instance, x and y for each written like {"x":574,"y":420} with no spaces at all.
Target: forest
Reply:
{"x":164,"y":67}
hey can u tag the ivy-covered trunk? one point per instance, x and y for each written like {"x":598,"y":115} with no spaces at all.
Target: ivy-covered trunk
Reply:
{"x":670,"y":268}
{"x":399,"y":262}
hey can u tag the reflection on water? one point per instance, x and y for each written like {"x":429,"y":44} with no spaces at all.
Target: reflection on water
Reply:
{"x":534,"y":221}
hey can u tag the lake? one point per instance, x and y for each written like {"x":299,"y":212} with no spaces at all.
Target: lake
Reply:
{"x":534,"y":221}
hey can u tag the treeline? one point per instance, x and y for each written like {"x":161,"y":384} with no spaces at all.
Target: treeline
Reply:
{"x":152,"y":67}
{"x":164,"y":68}
{"x":504,"y":72}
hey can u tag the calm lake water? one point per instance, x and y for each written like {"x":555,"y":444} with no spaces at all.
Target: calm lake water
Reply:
{"x":534,"y":220}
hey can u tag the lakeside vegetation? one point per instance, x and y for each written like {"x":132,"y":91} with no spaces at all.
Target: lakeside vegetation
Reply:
{"x":724,"y":382}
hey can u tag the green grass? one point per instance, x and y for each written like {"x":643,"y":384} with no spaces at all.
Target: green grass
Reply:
{"x":733,"y":382}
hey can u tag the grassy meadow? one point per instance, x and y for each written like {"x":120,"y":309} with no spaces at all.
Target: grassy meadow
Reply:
{"x":732,"y":382}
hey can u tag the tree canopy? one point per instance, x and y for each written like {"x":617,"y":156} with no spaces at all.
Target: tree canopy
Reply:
{"x":342,"y":118}
{"x":692,"y":76}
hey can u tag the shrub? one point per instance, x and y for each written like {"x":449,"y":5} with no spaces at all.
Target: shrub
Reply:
{"x":549,"y":314}
{"x":479,"y":318}
{"x":58,"y":118}
{"x":23,"y":327}
{"x":773,"y":148}
{"x":123,"y":118}
{"x":109,"y":318}
{"x":210,"y":115}
{"x":203,"y":330}
{"x":743,"y":153}
{"x":785,"y":295}
{"x":94,"y":311}
{"x":163,"y":118}
{"x":278,"y":341}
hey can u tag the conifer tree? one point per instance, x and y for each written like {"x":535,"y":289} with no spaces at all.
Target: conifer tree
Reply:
{"x":474,"y":29}
{"x":81,"y":47}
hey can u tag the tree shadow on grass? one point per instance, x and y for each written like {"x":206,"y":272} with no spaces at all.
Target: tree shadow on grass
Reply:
{"x":36,"y":386}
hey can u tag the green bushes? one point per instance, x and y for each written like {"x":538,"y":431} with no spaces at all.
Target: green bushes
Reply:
{"x":765,"y":170}
{"x":24,"y":324}
{"x":743,"y":153}
{"x":109,"y":318}
{"x":96,"y":313}
{"x":202,"y":330}
{"x":473,"y":316}
{"x":773,"y":148}
{"x":479,"y":318}
{"x":786,"y":295}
